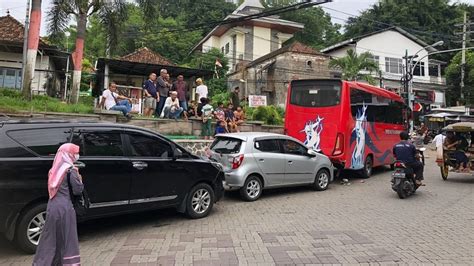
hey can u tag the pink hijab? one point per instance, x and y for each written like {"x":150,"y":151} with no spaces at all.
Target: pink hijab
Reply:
{"x":63,"y":160}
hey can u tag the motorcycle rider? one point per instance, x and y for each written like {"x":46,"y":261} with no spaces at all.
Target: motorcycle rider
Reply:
{"x":405,"y":152}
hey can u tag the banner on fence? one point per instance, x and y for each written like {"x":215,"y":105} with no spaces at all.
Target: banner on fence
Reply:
{"x":257,"y":100}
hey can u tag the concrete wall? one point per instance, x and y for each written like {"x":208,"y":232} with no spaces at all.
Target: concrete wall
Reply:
{"x":273,"y":81}
{"x":261,"y":41}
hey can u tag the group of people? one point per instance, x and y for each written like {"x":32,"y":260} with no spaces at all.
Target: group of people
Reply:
{"x":167,"y":99}
{"x":227,"y":119}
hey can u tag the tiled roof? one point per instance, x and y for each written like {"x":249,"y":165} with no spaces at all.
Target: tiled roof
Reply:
{"x":11,"y":29}
{"x":147,"y":56}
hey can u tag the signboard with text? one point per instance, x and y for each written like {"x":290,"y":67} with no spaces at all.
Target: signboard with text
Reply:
{"x":257,"y":100}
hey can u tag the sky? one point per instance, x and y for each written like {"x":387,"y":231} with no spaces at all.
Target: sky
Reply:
{"x":17,"y":9}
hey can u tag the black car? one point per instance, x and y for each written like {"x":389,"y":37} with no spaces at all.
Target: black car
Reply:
{"x":125,"y":169}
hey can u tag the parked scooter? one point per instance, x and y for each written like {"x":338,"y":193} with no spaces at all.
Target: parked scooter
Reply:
{"x":403,"y":177}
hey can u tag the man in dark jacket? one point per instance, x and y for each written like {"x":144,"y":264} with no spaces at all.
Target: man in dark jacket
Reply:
{"x":405,"y":152}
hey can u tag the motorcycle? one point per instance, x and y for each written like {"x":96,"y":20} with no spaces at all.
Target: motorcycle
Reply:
{"x":403,"y":177}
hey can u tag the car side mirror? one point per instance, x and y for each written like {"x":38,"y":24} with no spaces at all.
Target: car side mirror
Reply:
{"x":79,"y":164}
{"x":312,"y":153}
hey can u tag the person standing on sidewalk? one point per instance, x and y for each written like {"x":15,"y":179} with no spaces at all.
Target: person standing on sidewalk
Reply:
{"x":163,"y":90}
{"x":59,"y":244}
{"x":207,"y":115}
{"x":151,"y":95}
{"x":201,"y":89}
{"x":181,"y":87}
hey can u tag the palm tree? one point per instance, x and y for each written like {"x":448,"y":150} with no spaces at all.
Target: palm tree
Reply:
{"x":110,"y":12}
{"x":353,"y":66}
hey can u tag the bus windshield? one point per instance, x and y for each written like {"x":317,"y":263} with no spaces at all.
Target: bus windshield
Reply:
{"x":315,"y":93}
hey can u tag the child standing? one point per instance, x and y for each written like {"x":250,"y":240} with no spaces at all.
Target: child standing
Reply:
{"x":221,"y":127}
{"x":207,"y":114}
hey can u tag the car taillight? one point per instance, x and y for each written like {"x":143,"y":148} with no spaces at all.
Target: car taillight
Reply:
{"x":236,"y":161}
{"x":399,"y":165}
{"x":339,"y":147}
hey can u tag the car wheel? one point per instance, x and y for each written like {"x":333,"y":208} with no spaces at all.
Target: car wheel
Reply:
{"x":368,"y":167}
{"x":321,"y":182}
{"x":252,"y":189}
{"x":200,"y":201}
{"x":30,"y":227}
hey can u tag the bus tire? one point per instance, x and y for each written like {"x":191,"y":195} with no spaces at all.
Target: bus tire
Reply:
{"x":368,"y":167}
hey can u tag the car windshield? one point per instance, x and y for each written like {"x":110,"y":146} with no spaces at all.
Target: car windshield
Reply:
{"x":225,"y":145}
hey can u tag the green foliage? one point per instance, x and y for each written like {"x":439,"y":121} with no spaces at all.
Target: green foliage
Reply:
{"x":208,"y":60}
{"x":352,"y":64}
{"x":12,"y":101}
{"x":217,"y":86}
{"x":269,"y":114}
{"x":222,"y":97}
{"x":453,"y":79}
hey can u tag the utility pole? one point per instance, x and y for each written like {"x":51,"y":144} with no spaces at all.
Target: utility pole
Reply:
{"x":465,"y":39}
{"x":25,"y":42}
{"x":463,"y":54}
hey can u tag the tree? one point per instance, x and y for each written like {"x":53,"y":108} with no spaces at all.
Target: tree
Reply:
{"x":110,"y":13}
{"x":353,"y":66}
{"x":453,"y":79}
{"x":218,"y":83}
{"x":33,"y":41}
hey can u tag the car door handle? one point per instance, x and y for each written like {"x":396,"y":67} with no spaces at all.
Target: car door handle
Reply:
{"x":261,"y":160}
{"x":140,"y":165}
{"x":79,"y":164}
{"x":290,"y":162}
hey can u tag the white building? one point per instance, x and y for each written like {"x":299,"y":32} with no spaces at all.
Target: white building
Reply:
{"x":51,"y":63}
{"x":388,"y":48}
{"x":248,"y":40}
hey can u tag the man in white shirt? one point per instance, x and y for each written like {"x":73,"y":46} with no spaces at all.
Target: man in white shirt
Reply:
{"x":439,"y":139}
{"x":113,"y":101}
{"x":201,"y":89}
{"x":172,"y":109}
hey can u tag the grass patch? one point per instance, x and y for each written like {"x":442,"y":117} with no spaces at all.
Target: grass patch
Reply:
{"x":11,"y":101}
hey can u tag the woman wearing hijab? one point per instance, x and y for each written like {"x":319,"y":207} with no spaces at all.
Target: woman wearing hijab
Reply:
{"x":59,"y":244}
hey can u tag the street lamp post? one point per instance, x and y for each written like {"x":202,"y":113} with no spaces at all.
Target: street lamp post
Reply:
{"x":409,"y":75}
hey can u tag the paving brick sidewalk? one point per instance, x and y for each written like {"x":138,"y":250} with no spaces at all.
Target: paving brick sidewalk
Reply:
{"x":361,"y":223}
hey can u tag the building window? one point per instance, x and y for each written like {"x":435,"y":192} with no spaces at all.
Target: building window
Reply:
{"x":393,"y":65}
{"x":419,"y":70}
{"x":10,"y":78}
{"x":374,"y":58}
{"x":227,"y":48}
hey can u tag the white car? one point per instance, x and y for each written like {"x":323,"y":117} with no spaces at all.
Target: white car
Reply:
{"x":254,"y":161}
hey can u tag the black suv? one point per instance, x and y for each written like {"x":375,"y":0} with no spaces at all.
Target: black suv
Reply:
{"x":125,"y":169}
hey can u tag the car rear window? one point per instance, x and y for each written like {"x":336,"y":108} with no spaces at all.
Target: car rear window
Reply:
{"x":43,"y":141}
{"x":226,"y":145}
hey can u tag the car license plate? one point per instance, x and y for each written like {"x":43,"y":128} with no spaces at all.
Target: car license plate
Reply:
{"x":398,"y":175}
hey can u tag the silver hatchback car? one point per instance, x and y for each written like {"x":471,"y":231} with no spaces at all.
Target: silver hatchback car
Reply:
{"x":254,"y":161}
